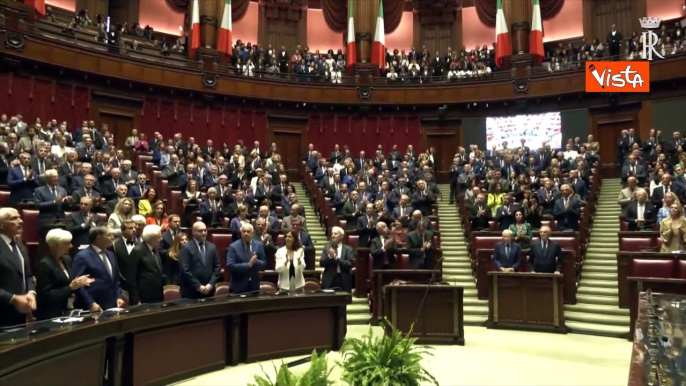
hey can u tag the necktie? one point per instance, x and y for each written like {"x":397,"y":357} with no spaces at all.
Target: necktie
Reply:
{"x":130,"y":242}
{"x":247,"y":248}
{"x":54,"y":191}
{"x":201,"y":247}
{"x":507,"y":249}
{"x":31,"y":141}
{"x":157,"y":258}
{"x":104,"y":261}
{"x":41,"y":167}
{"x":566,"y":201}
{"x":545,"y":246}
{"x":20,"y":261}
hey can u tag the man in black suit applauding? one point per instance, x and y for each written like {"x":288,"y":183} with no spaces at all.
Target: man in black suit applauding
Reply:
{"x":337,"y":261}
{"x":199,"y":265}
{"x":418,"y":242}
{"x":546,"y":254}
{"x":79,"y":223}
{"x":17,"y":289}
{"x":383,"y":248}
{"x":146,"y":276}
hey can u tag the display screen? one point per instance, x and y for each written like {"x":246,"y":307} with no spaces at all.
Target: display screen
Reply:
{"x":534,"y":128}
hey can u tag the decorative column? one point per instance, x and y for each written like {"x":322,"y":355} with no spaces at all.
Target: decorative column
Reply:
{"x":518,"y":15}
{"x":210,"y":12}
{"x":364,"y":14}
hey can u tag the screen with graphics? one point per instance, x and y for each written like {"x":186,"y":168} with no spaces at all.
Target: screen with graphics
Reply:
{"x":534,"y":128}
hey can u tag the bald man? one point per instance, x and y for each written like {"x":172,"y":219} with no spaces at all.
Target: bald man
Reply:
{"x":199,"y":265}
{"x":506,"y":254}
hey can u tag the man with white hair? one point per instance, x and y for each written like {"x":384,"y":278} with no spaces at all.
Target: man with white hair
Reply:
{"x":641,"y":214}
{"x":17,"y":289}
{"x":506,"y":253}
{"x":51,"y":200}
{"x":140,"y":222}
{"x":145,"y":268}
{"x":383,"y":248}
{"x":245,"y":259}
{"x":337,"y":260}
{"x":199,"y":265}
{"x":81,"y":221}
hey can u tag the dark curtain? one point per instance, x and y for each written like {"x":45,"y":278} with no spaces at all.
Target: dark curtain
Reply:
{"x":46,"y":100}
{"x":238,"y":9}
{"x":487,"y":9}
{"x":180,"y":6}
{"x":363,"y":133}
{"x":336,"y":14}
{"x":392,"y":14}
{"x":202,"y":123}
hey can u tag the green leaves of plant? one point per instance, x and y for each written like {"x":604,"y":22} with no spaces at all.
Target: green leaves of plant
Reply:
{"x":317,"y":375}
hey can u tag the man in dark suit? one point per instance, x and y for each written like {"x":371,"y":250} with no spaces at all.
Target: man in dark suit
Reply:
{"x":137,"y":190}
{"x":480,"y":214}
{"x":640,"y":214}
{"x":87,"y":152}
{"x":546,"y":254}
{"x":17,"y":289}
{"x":567,"y":210}
{"x":21,"y":180}
{"x":506,"y":254}
{"x":633,"y":168}
{"x":578,"y":184}
{"x":145,"y":268}
{"x":168,"y":237}
{"x":122,"y":247}
{"x":199,"y":262}
{"x":245,"y":260}
{"x":87,"y":191}
{"x":173,"y":171}
{"x":337,"y":260}
{"x":505,"y":214}
{"x":80,"y":222}
{"x":366,"y":226}
{"x":105,"y":292}
{"x":51,"y":200}
{"x":212,"y":210}
{"x":614,"y":41}
{"x":109,"y":187}
{"x":418,"y":242}
{"x":40,"y":163}
{"x":423,"y":199}
{"x":661,"y":190}
{"x":383,"y":248}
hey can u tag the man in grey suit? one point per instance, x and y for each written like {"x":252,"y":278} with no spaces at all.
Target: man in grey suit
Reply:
{"x":628,"y":194}
{"x":17,"y":289}
{"x":287,"y":222}
{"x":51,"y":200}
{"x":337,"y":260}
{"x":80,"y":222}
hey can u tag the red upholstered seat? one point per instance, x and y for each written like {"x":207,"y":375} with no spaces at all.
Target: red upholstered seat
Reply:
{"x":312,"y":285}
{"x":156,"y":178}
{"x":279,"y":210}
{"x":222,"y":290}
{"x":342,"y":223}
{"x":353,"y":241}
{"x":267,"y":287}
{"x":164,"y":191}
{"x":662,"y":268}
{"x":567,"y":242}
{"x":4,"y":198}
{"x":682,"y":269}
{"x":623,"y":226}
{"x":493,"y":225}
{"x":403,"y":261}
{"x":434,"y":225}
{"x":176,"y":202}
{"x":222,"y":241}
{"x":30,"y":233}
{"x":171,"y":292}
{"x":484,"y":242}
{"x":636,"y":244}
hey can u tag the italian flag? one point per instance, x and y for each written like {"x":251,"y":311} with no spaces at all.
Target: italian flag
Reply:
{"x":536,"y":43}
{"x":195,"y":29}
{"x":224,"y":43}
{"x":378,"y":48}
{"x":350,"y":53}
{"x":503,"y":47}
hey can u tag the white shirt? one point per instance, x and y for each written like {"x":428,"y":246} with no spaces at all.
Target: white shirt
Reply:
{"x":103,"y":257}
{"x":571,"y":154}
{"x":640,"y":209}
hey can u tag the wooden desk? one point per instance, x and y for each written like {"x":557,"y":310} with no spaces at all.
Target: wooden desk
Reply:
{"x":383,"y":277}
{"x":441,"y":320}
{"x":642,"y":284}
{"x":528,"y":301}
{"x":154,"y":345}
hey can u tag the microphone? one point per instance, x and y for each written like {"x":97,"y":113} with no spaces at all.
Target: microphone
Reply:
{"x":426,"y":292}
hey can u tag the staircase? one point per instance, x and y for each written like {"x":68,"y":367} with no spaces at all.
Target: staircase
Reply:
{"x":597,"y":310}
{"x":358,"y":311}
{"x":456,"y":264}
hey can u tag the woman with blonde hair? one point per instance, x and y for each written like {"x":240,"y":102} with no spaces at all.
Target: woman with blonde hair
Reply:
{"x":172,"y":268}
{"x":673,"y":230}
{"x":123,"y":211}
{"x":670,"y":198}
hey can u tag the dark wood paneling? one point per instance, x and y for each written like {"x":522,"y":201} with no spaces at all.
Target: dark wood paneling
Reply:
{"x":606,"y":127}
{"x":120,"y":119}
{"x":599,"y":15}
{"x":444,"y":136}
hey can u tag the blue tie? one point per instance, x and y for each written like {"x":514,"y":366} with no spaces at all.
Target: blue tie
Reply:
{"x":507,"y":250}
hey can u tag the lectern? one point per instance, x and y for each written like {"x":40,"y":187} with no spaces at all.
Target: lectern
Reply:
{"x":528,"y":301}
{"x":441,"y":320}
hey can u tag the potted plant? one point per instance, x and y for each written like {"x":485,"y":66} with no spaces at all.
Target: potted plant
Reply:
{"x":390,"y":360}
{"x":317,"y":375}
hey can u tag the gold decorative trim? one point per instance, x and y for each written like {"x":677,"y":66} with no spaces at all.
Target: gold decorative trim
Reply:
{"x":556,"y":304}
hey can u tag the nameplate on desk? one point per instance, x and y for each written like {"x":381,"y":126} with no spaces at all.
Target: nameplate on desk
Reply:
{"x":67,"y":320}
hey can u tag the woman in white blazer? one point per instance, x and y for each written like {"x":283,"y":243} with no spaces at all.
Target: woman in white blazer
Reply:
{"x":290,"y":263}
